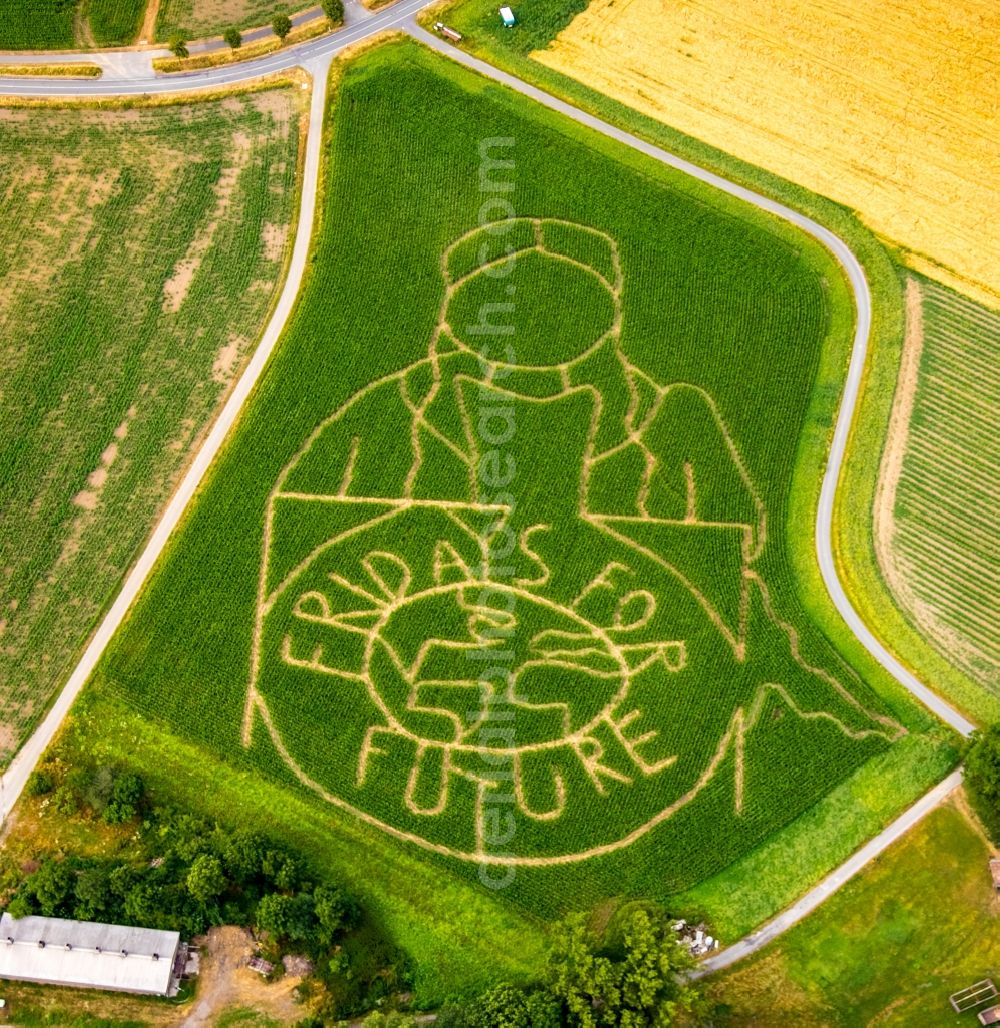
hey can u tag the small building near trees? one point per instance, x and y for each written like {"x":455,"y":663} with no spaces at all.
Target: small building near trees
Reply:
{"x":53,"y":951}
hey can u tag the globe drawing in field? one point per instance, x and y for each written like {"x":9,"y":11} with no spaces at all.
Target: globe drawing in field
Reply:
{"x":560,"y":678}
{"x":523,"y":570}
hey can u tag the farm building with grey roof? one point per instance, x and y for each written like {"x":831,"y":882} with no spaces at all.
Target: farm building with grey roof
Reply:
{"x":97,"y":956}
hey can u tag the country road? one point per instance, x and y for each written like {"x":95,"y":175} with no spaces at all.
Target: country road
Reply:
{"x":128,"y":73}
{"x":839,"y":876}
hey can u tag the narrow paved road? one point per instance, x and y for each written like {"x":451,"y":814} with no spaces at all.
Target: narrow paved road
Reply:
{"x":833,"y":881}
{"x":131,"y":73}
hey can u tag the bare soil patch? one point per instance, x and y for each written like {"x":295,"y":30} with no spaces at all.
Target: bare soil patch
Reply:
{"x":147,"y":34}
{"x":227,"y":359}
{"x":275,"y":240}
{"x":225,"y":981}
{"x":176,"y":288}
{"x":8,"y":741}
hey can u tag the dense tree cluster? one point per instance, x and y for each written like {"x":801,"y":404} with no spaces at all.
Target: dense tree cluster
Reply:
{"x":185,"y":873}
{"x":188,"y":875}
{"x":635,"y":977}
{"x":982,"y":778}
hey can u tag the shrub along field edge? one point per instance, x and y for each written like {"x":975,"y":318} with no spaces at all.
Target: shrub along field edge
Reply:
{"x":79,"y":71}
{"x":256,"y":14}
{"x":216,"y":58}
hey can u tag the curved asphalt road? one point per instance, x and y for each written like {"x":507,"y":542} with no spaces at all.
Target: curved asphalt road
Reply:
{"x":130,"y":73}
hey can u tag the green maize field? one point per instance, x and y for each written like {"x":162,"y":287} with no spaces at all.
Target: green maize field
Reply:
{"x":140,"y":252}
{"x":36,"y":24}
{"x":115,"y":22}
{"x":51,"y":24}
{"x":531,"y":610}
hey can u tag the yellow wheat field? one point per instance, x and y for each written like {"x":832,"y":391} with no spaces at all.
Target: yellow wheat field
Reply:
{"x":892,"y":108}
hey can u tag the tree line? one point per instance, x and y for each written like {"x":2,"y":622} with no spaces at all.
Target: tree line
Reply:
{"x":180,"y":872}
{"x":281,"y":26}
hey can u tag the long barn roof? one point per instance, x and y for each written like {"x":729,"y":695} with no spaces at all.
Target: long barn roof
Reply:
{"x":99,"y":956}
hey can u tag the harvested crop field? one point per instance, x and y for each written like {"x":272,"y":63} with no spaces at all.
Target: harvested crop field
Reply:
{"x":137,"y":264}
{"x":890,"y":109}
{"x":671,"y":703}
{"x":199,"y":18}
{"x":937,"y":535}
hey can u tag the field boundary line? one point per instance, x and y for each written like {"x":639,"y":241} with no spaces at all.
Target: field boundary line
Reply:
{"x":14,"y":779}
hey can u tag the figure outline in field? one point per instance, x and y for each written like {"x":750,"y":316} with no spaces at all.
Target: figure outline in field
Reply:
{"x":626,"y":442}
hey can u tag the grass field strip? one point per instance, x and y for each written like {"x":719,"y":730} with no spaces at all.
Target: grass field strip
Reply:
{"x":384,"y":588}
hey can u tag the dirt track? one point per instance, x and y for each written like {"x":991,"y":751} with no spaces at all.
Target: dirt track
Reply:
{"x":225,"y":982}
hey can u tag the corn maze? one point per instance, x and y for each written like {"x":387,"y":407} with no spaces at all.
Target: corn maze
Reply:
{"x":650,"y":481}
{"x":519,"y":600}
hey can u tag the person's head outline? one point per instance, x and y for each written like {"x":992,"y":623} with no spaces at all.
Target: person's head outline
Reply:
{"x":542,"y":292}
